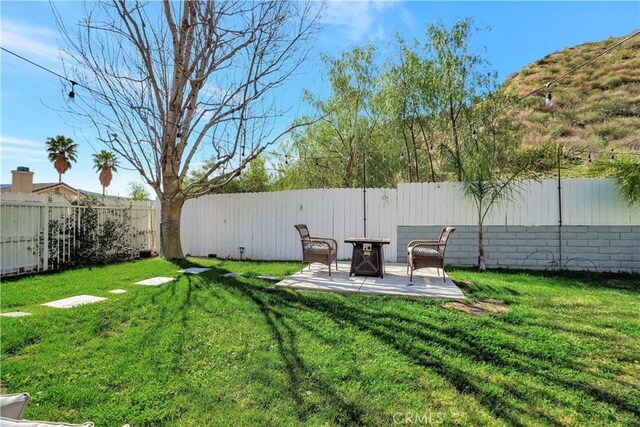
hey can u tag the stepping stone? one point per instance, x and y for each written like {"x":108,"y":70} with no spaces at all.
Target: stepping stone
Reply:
{"x":156,"y":281}
{"x":194,"y":270}
{"x":15,"y":314}
{"x":232,"y":275}
{"x":267,"y":277}
{"x":74,"y":301}
{"x":117,"y":291}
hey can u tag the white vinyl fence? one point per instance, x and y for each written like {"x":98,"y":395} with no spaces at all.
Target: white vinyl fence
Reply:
{"x":38,"y":232}
{"x":263,"y":223}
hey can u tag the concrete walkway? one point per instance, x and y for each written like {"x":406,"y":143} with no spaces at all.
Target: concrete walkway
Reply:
{"x":426,"y":282}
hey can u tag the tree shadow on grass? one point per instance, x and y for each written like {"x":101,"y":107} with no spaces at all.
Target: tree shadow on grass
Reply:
{"x":198,"y":289}
{"x":452,"y":352}
{"x":529,"y":377}
{"x":349,"y":413}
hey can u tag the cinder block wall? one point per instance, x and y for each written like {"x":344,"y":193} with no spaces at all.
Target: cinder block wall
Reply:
{"x":594,"y":248}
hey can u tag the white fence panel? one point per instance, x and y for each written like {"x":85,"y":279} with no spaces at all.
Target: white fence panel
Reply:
{"x":263,"y":222}
{"x":584,"y":202}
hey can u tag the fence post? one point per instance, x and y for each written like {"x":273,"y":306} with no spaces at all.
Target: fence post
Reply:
{"x":45,"y":222}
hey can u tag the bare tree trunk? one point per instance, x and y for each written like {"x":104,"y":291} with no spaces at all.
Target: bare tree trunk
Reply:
{"x":348,"y":173}
{"x":481,"y":262}
{"x":429,"y":153}
{"x":406,"y":143}
{"x":170,"y":228}
{"x":415,"y":150}
{"x":454,"y":129}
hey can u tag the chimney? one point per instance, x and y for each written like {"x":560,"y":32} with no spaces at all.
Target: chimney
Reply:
{"x":21,"y":180}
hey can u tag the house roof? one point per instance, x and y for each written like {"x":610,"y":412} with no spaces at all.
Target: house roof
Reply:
{"x":43,"y":186}
{"x":39,"y":187}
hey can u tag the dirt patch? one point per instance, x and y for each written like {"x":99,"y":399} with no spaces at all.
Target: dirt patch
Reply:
{"x":478,"y":308}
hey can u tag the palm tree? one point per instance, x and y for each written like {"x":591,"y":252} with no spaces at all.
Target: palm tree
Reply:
{"x":105,"y":162}
{"x":62,"y":151}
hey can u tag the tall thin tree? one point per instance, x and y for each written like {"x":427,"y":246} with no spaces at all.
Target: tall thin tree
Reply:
{"x":62,"y":152}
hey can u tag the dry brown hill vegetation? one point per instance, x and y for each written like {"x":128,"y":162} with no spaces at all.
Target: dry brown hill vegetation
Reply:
{"x":596,"y":108}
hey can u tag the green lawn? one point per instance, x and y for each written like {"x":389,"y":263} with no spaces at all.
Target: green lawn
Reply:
{"x":207,"y":350}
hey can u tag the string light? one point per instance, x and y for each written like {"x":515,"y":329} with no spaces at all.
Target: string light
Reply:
{"x":547,"y":98}
{"x":72,"y":94}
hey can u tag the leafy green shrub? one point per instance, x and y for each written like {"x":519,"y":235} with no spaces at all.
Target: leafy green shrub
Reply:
{"x":559,"y":131}
{"x":610,"y":133}
{"x":621,"y":109}
{"x":616,"y":81}
{"x":590,"y":116}
{"x":82,"y":238}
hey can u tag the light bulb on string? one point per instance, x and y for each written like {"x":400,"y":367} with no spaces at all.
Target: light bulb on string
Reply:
{"x":72,"y":93}
{"x":286,"y":159}
{"x":548,"y":98}
{"x":613,"y":156}
{"x":179,"y":134}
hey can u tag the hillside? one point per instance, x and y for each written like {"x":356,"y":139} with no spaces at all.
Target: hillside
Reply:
{"x":595,"y":109}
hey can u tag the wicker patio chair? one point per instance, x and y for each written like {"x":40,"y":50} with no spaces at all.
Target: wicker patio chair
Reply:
{"x":317,"y":249}
{"x":428,"y":253}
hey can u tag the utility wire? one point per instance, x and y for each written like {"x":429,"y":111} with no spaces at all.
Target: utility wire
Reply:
{"x":93,"y":91}
{"x":520,"y":99}
{"x":548,"y":85}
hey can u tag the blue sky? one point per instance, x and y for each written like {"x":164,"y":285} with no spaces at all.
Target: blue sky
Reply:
{"x":521,"y":32}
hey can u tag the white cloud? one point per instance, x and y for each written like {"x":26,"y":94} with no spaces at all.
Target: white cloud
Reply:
{"x":23,"y":159}
{"x":31,"y":151}
{"x":360,"y":20}
{"x":12,"y":140}
{"x":30,"y":40}
{"x":21,"y":150}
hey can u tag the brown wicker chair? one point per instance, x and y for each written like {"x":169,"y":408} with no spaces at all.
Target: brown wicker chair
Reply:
{"x":428,"y":253}
{"x":317,"y":249}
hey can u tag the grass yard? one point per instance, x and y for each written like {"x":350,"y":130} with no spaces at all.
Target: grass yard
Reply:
{"x":209,"y":350}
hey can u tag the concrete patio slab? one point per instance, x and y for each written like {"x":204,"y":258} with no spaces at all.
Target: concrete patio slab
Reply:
{"x":232,"y":275}
{"x":15,"y":314}
{"x":194,"y":270}
{"x":426,"y":282}
{"x":74,"y":301}
{"x":155,"y":281}
{"x":117,"y":291}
